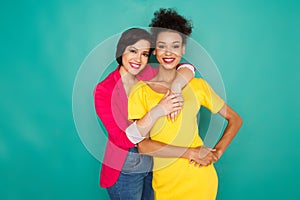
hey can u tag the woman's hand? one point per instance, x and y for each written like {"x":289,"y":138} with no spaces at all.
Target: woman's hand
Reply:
{"x":168,"y":104}
{"x":173,"y":115}
{"x":203,"y":156}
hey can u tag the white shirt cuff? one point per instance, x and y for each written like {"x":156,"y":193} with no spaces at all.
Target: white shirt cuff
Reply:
{"x":133,"y":133}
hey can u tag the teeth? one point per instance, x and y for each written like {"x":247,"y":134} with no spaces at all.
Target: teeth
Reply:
{"x":135,"y":65}
{"x":169,"y":59}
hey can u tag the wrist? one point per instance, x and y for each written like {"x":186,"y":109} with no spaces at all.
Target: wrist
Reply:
{"x":189,"y":154}
{"x":157,"y":111}
{"x":186,"y":154}
{"x":219,"y":153}
{"x":176,"y":87}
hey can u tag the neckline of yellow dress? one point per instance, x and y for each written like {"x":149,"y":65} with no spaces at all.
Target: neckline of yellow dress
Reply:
{"x":153,"y":91}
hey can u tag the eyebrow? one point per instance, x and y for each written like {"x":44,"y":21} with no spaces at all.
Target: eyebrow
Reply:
{"x":165,"y":43}
{"x":132,"y":47}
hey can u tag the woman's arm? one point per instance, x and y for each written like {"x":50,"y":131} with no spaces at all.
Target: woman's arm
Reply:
{"x":169,"y":103}
{"x":185,"y":72}
{"x":233,"y":126}
{"x":159,"y":149}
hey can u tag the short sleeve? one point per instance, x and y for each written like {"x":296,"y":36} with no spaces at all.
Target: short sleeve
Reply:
{"x":136,"y":101}
{"x":206,"y":96}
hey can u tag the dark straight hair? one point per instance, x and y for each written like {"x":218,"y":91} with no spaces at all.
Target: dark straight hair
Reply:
{"x":130,"y":37}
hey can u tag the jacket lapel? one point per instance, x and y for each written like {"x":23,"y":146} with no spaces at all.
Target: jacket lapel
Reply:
{"x":119,"y":102}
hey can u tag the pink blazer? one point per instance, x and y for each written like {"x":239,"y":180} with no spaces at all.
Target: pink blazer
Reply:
{"x":111,"y":106}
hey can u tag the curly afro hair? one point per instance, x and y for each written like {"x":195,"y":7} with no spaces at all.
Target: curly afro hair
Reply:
{"x":170,"y":19}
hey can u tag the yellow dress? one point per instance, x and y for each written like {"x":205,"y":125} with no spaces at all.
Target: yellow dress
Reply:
{"x":175,"y":178}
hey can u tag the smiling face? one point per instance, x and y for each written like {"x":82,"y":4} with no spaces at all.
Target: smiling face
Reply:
{"x":135,"y":57}
{"x":169,"y":49}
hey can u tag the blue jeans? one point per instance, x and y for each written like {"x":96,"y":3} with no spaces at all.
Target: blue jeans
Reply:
{"x":135,"y":180}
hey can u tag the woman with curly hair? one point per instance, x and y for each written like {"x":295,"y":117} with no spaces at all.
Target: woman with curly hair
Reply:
{"x":175,"y":178}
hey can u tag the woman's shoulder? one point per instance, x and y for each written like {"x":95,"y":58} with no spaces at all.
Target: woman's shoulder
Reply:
{"x":199,"y":85}
{"x":105,"y":87}
{"x":110,"y":79}
{"x":138,"y":86}
{"x":197,"y":82}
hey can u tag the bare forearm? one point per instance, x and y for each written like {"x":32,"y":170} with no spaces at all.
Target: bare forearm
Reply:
{"x":145,"y":124}
{"x":184,"y":75}
{"x":232,"y":128}
{"x":169,"y":103}
{"x":159,"y":149}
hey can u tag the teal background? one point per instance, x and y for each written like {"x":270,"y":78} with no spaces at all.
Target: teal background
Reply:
{"x":255,"y":44}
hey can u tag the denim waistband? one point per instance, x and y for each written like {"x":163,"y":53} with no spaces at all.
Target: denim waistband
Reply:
{"x":137,"y":163}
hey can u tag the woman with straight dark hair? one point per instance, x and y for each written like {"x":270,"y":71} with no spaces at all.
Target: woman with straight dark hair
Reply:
{"x":125,"y":173}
